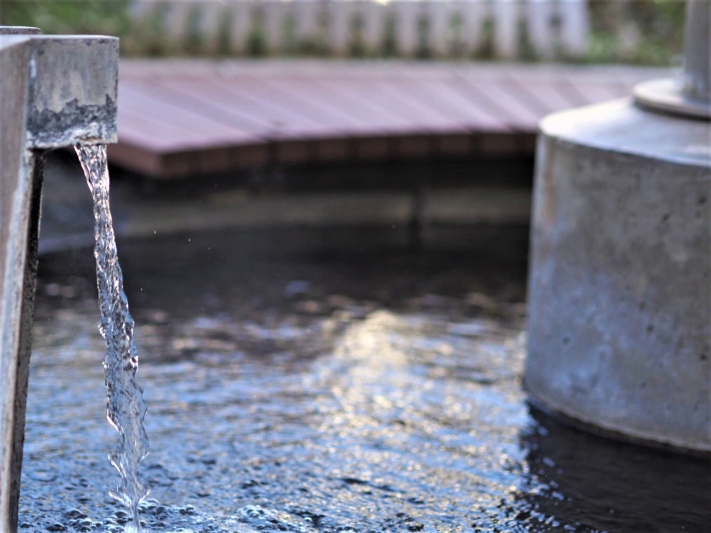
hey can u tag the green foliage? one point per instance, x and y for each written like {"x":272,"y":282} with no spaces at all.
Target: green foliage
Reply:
{"x":526,"y":50}
{"x":486,"y":46}
{"x":358,"y":49}
{"x":223,"y":36}
{"x":99,"y":17}
{"x":146,"y":37}
{"x":193,"y":39}
{"x":257,"y":39}
{"x":423,"y":48}
{"x":648,"y":32}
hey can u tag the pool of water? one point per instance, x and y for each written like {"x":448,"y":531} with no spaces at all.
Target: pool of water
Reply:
{"x":326,"y":381}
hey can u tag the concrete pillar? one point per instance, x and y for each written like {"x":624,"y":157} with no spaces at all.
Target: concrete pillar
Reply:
{"x":619,"y":332}
{"x":54,"y":91}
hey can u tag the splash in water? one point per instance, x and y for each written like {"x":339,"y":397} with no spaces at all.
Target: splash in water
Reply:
{"x":125,"y":406}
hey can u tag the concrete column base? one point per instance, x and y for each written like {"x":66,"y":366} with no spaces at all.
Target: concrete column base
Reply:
{"x":619,"y":334}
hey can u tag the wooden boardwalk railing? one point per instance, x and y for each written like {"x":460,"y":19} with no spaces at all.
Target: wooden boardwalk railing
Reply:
{"x":370,"y":28}
{"x":186,"y":118}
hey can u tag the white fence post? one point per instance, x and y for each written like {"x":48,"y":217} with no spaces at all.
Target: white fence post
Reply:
{"x":307,"y":15}
{"x":210,"y":24}
{"x":340,"y":26}
{"x":539,"y":18}
{"x":241,"y":23}
{"x":506,"y":31}
{"x":407,"y":34}
{"x":373,"y":16}
{"x":574,"y":26}
{"x":274,"y":12}
{"x":439,"y":28}
{"x":176,"y":20}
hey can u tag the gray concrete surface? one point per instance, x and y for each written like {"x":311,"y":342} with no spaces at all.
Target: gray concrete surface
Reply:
{"x":620,"y":283}
{"x":54,"y":91}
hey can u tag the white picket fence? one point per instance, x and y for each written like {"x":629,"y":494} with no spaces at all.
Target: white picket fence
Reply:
{"x":406,"y":28}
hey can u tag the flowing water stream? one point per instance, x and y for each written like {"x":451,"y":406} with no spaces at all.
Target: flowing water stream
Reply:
{"x":125,"y":408}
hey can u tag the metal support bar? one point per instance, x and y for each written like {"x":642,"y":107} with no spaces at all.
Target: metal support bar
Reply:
{"x":54,"y":91}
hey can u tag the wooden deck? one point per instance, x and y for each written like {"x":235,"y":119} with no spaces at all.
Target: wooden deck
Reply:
{"x":186,"y":118}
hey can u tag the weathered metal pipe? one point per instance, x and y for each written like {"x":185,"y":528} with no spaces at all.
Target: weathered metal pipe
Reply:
{"x":55,"y":91}
{"x":619,"y":333}
{"x":697,"y":51}
{"x":691,"y":94}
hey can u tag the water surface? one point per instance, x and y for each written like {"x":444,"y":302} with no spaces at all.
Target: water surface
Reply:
{"x":327,"y":381}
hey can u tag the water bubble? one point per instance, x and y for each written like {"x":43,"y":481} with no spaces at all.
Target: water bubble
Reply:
{"x":74,"y":513}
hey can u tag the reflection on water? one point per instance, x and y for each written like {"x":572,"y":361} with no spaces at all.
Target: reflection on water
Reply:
{"x":316,"y":390}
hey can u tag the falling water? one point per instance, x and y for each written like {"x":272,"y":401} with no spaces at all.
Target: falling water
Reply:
{"x":125,"y":406}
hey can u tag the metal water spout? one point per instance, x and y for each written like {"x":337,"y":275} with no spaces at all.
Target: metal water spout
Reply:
{"x":55,"y":91}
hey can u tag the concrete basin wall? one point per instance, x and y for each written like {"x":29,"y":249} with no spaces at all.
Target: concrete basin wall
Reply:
{"x":620,"y":289}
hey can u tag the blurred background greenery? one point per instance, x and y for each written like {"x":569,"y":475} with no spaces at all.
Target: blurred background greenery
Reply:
{"x":645,"y":32}
{"x":103,"y":17}
{"x":642,"y":32}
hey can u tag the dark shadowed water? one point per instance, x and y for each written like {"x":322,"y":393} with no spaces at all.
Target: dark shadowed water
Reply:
{"x":326,"y":381}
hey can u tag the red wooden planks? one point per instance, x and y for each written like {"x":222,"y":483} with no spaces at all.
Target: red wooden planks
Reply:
{"x":186,"y":118}
{"x":500,"y":99}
